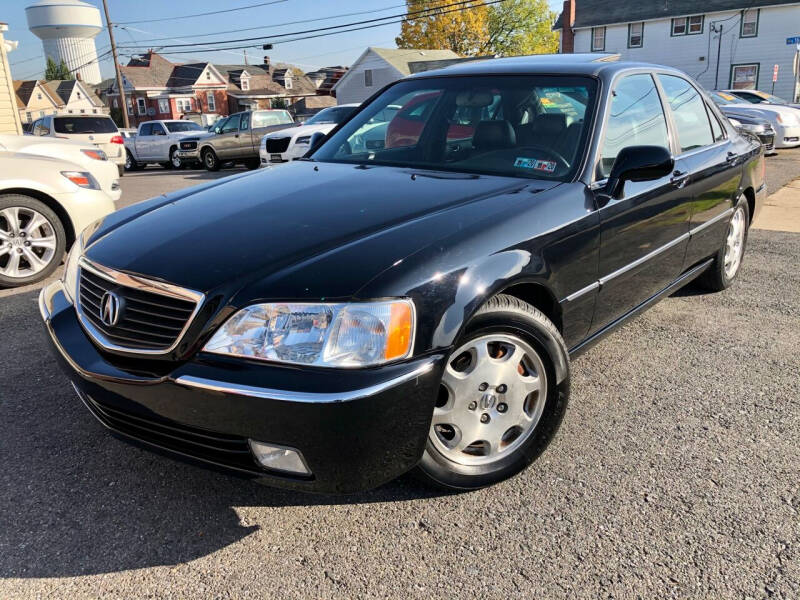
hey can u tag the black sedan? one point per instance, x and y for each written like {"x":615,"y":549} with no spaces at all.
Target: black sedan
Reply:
{"x":360,"y":313}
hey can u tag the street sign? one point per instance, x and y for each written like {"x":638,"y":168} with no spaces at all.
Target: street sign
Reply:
{"x":793,"y":40}
{"x":774,"y":73}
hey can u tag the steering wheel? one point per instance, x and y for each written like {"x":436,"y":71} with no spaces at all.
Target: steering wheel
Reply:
{"x":563,"y":162}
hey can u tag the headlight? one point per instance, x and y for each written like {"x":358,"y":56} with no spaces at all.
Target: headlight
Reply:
{"x":324,"y":335}
{"x":752,"y":127}
{"x":70,"y":277}
{"x":303,"y":139}
{"x":95,"y":154}
{"x":82,"y":179}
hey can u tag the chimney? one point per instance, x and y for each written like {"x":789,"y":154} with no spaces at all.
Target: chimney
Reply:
{"x":266,"y":61}
{"x":567,"y":33}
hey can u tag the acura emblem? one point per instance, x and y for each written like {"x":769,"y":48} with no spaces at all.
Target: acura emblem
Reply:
{"x":110,"y":308}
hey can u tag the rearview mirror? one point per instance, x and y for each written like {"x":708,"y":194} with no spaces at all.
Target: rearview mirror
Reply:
{"x":638,"y":163}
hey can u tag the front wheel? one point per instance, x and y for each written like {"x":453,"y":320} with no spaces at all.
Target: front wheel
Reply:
{"x":174,"y":159}
{"x":32,"y":240}
{"x":252,"y":163}
{"x":210,"y":160}
{"x":502,"y":397}
{"x":728,"y":260}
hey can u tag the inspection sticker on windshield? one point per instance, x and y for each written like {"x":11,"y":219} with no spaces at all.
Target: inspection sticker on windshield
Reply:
{"x":547,"y":166}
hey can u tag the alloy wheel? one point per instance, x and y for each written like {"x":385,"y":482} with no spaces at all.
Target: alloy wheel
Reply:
{"x":128,"y":161}
{"x":492,"y":396}
{"x":176,"y":161}
{"x":27,"y":242}
{"x":734,"y":244}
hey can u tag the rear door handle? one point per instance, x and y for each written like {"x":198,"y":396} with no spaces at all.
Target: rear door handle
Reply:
{"x":679,"y":178}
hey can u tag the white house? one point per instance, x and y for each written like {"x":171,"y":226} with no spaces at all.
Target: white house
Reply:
{"x":377,"y":67}
{"x":721,"y":43}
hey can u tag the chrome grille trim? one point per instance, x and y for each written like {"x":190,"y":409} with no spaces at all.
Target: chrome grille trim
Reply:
{"x":140,"y":284}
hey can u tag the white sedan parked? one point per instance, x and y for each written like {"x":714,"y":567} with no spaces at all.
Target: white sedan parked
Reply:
{"x":785,"y":120}
{"x":288,"y":144}
{"x":45,"y":202}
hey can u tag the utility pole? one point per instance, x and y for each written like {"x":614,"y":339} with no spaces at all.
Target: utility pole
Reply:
{"x":123,"y":104}
{"x":719,"y":50}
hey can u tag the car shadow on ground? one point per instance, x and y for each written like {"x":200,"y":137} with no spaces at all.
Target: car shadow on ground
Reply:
{"x":76,"y":501}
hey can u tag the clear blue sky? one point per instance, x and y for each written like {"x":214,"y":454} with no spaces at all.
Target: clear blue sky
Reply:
{"x":27,"y":61}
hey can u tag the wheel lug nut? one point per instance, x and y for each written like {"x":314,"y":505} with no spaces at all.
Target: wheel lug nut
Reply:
{"x":482,"y":387}
{"x":501,"y":389}
{"x":19,"y":250}
{"x":472,"y":405}
{"x":502,"y":407}
{"x":485,"y":418}
{"x":27,"y":243}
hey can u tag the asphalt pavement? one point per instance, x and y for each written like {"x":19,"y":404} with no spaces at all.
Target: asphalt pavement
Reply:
{"x":675,"y":475}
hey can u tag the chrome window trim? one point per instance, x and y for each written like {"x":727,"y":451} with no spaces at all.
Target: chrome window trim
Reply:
{"x":303,"y":397}
{"x":139,"y":283}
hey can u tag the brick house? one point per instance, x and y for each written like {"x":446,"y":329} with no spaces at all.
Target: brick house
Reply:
{"x":721,"y":43}
{"x":156,"y":88}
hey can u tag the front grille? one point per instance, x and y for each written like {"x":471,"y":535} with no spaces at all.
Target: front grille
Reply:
{"x":148,"y":321}
{"x":188,"y":145}
{"x":219,"y":448}
{"x":278,"y":145}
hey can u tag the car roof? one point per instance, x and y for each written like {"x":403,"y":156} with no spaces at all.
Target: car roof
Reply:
{"x":594,"y":64}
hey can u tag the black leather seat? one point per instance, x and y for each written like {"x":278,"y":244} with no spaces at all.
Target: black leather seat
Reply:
{"x":493,"y":135}
{"x":545,"y":130}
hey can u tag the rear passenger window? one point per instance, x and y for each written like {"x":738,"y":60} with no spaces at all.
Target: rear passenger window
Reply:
{"x":636,"y":118}
{"x":689,"y":112}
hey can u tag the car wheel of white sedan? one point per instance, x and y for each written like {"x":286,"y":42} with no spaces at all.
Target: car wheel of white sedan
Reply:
{"x":32,"y":240}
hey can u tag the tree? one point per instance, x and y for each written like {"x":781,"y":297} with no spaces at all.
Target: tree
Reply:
{"x":57,"y":71}
{"x":462,"y":29}
{"x":518,"y":27}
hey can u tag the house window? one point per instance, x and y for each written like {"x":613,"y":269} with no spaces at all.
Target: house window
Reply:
{"x":141,"y":105}
{"x":744,"y":77}
{"x":688,"y":25}
{"x":38,"y":96}
{"x":598,"y":39}
{"x":749,"y":26}
{"x":116,"y":103}
{"x":367,"y":77}
{"x":635,"y":35}
{"x":183,"y":105}
{"x":163,"y":105}
{"x":208,"y":75}
{"x":83,"y":111}
{"x":245,"y":83}
{"x":28,"y":116}
{"x":79,"y":95}
{"x":41,"y":113}
{"x":130,"y":105}
{"x":212,"y":102}
{"x":287,"y":83}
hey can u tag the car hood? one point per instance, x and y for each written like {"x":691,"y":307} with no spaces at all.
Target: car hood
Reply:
{"x":302,"y":130}
{"x":254,"y":226}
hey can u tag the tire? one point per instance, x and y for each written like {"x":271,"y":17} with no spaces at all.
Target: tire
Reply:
{"x":521,"y":420}
{"x":728,"y":260}
{"x":252,"y":163}
{"x":130,"y":164}
{"x":175,"y":161}
{"x":121,"y":170}
{"x":210,"y":160}
{"x":22,"y":259}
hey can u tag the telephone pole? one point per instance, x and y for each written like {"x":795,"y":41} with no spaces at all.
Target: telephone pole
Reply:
{"x":123,"y":104}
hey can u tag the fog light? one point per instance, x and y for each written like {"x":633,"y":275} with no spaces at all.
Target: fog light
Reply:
{"x":279,"y":458}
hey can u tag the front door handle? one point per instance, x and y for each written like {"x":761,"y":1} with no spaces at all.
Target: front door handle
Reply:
{"x":679,"y":178}
{"x":731,"y":156}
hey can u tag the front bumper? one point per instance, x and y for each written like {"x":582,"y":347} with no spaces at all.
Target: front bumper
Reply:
{"x":356,"y":429}
{"x":276,"y":158}
{"x":188,"y":155}
{"x":787,"y":136}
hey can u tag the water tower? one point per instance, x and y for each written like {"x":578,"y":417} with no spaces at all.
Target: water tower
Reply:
{"x":67,"y":29}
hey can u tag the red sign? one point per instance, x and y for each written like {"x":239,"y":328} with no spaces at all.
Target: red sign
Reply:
{"x":774,"y":73}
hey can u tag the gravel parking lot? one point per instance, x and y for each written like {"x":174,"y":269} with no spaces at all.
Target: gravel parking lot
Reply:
{"x":675,"y":475}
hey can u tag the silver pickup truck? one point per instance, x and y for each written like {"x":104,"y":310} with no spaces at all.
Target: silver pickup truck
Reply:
{"x":157,"y":142}
{"x":235,"y":139}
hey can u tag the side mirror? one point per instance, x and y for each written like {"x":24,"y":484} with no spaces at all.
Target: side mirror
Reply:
{"x":638,"y":163}
{"x":316,"y":141}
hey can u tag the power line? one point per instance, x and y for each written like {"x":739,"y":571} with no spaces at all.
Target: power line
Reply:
{"x":205,"y":14}
{"x":404,"y":16}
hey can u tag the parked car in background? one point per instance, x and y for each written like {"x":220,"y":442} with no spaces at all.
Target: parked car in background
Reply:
{"x":785,"y":120}
{"x":98,"y":130}
{"x":127,"y":133}
{"x":44,"y":203}
{"x":757,"y":126}
{"x":158,"y":142}
{"x":286,"y":144}
{"x":758,"y":97}
{"x":87,"y":156}
{"x":333,"y":323}
{"x":234,"y":139}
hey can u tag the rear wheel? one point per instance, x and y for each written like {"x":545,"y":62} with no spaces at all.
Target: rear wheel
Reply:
{"x":32,"y":240}
{"x":503,"y":394}
{"x":130,"y":164}
{"x":728,"y":260}
{"x":210,"y":160}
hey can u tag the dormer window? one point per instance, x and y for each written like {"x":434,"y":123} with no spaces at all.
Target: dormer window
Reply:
{"x":245,"y":83}
{"x":287,"y":83}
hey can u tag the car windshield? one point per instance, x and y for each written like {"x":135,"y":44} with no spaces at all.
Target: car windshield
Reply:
{"x":723,"y":98}
{"x":84,"y":125}
{"x":759,"y":97}
{"x":334,"y":114}
{"x":520,"y":126}
{"x":178,"y":126}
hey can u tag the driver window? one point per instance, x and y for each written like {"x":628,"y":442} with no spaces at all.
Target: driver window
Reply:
{"x":636,"y":118}
{"x":231,"y":125}
{"x":147,"y":129}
